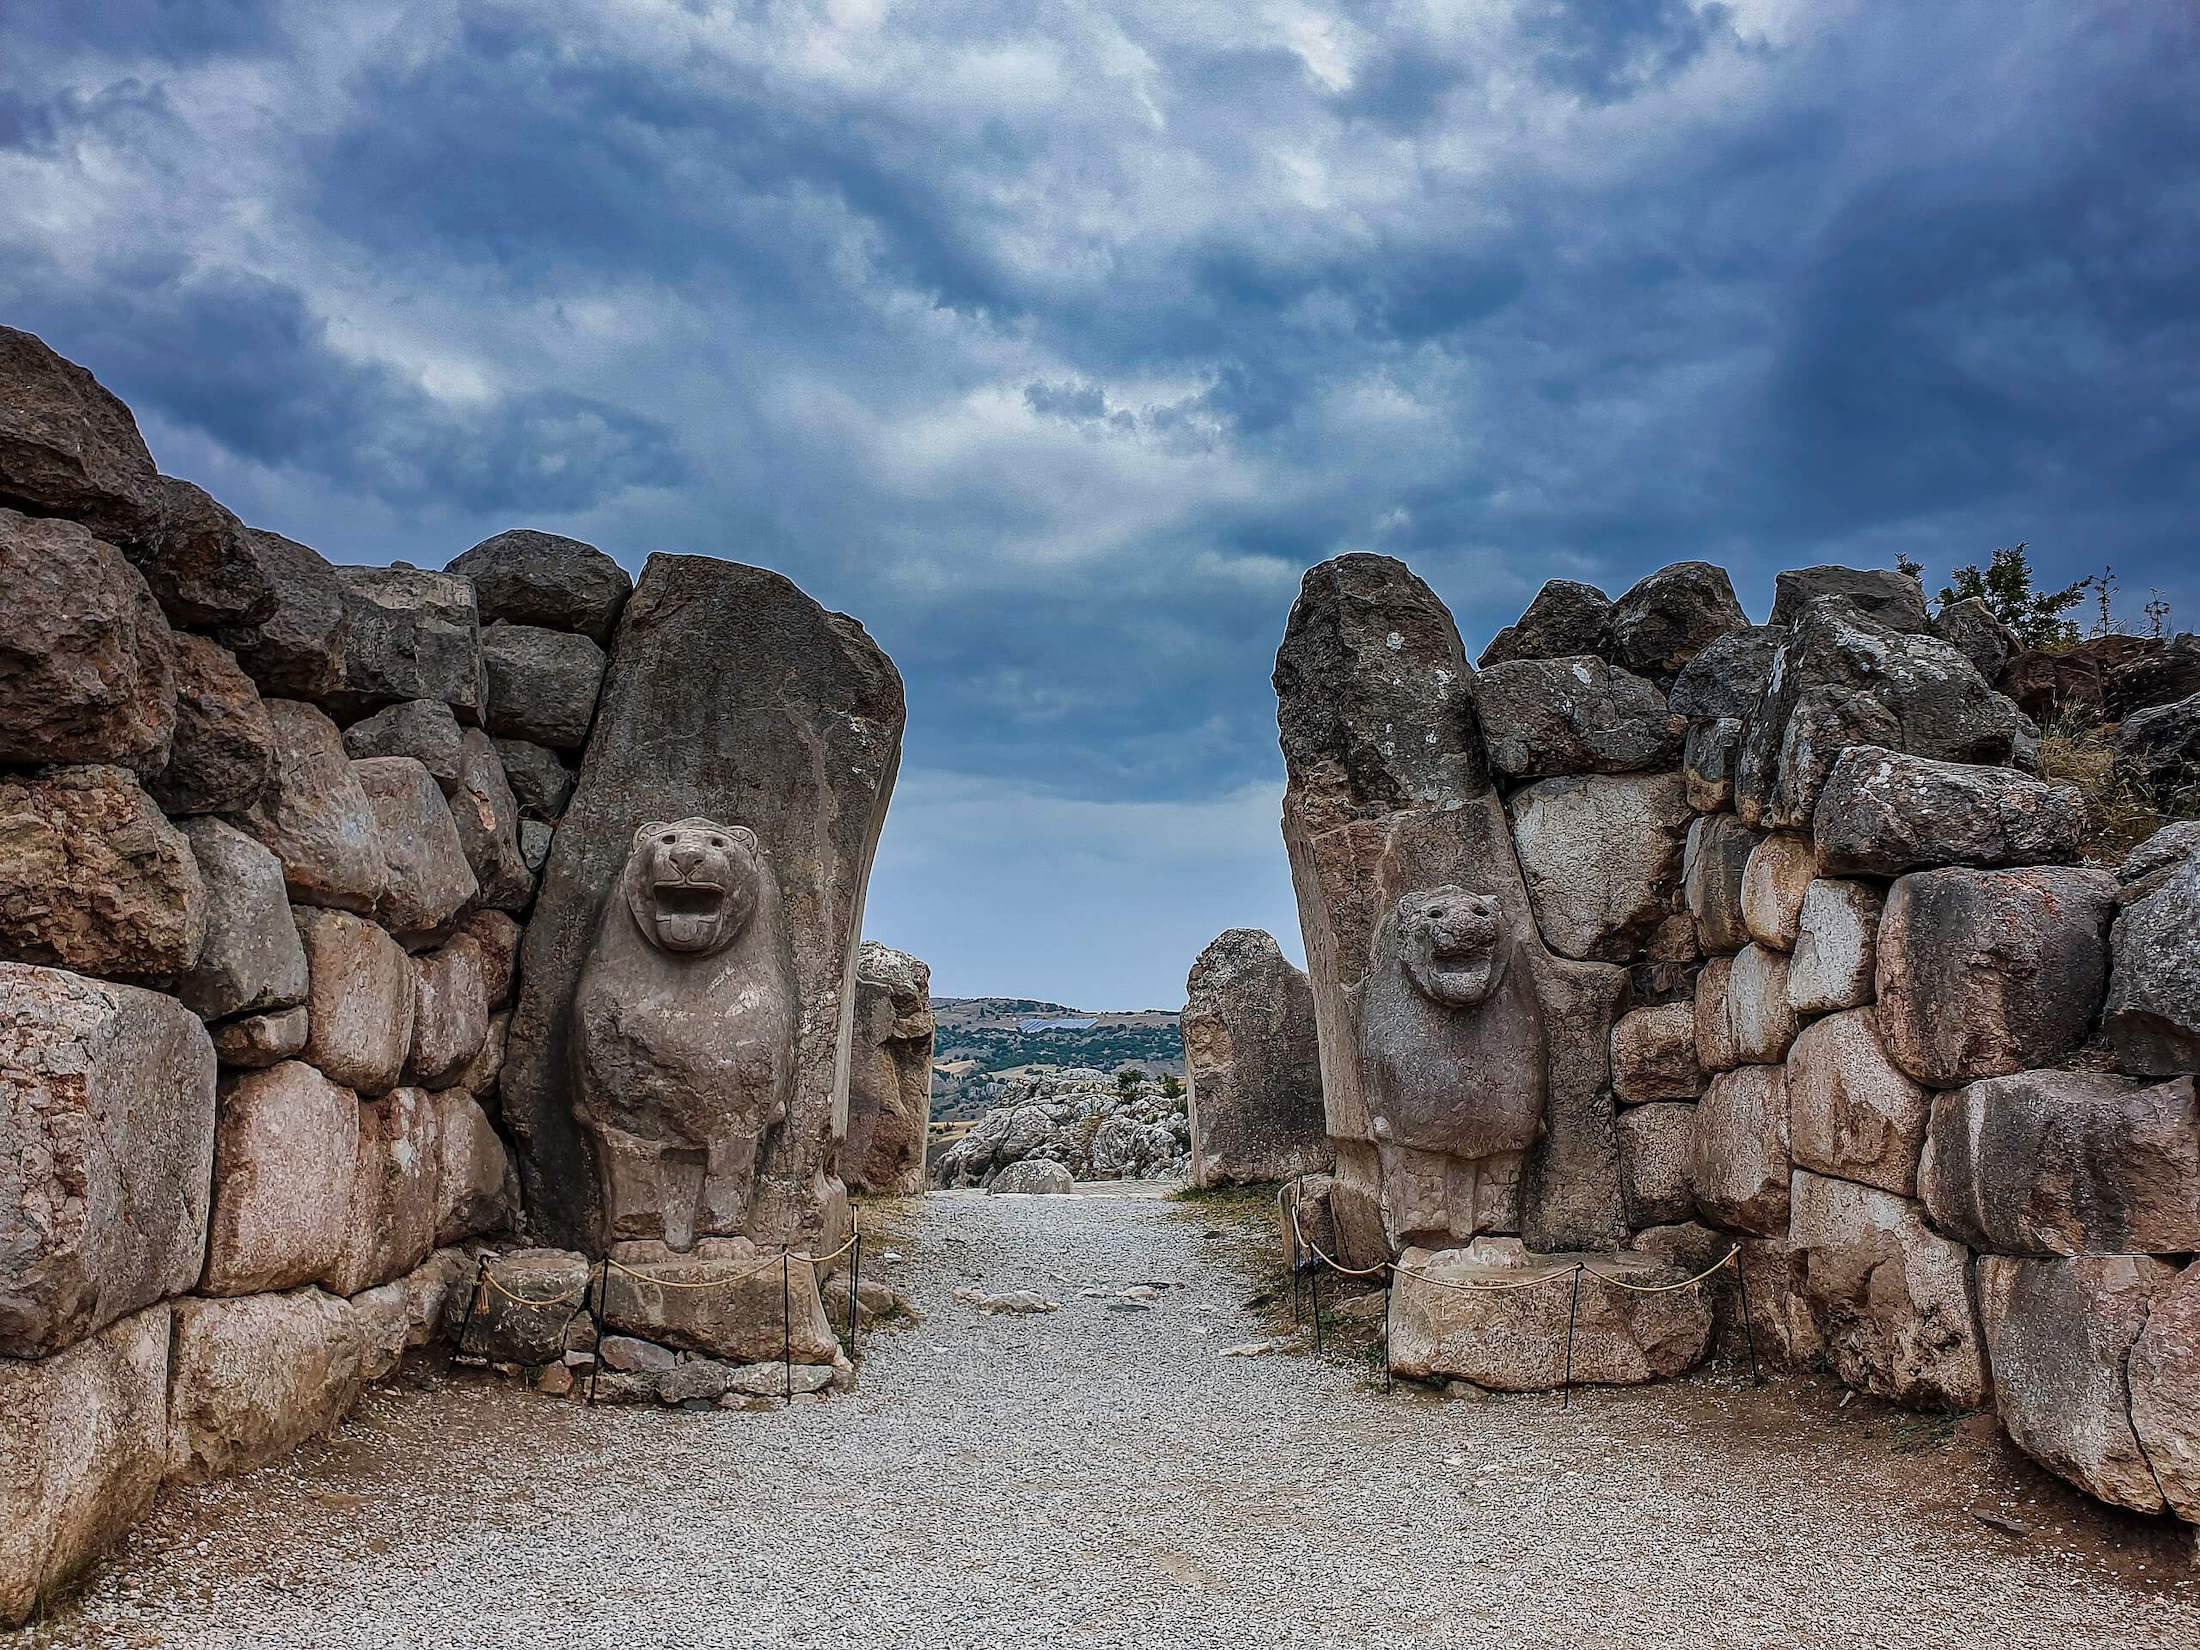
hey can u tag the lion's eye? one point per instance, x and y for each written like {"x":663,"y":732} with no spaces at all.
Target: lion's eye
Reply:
{"x":717,"y":842}
{"x":668,"y":841}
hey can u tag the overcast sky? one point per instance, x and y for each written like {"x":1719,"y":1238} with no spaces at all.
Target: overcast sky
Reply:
{"x":1055,"y":338}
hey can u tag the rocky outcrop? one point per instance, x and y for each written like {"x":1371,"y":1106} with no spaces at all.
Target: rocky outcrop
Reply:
{"x":1982,"y":973}
{"x":106,"y":1145}
{"x":889,"y":1073}
{"x":1883,"y":812}
{"x":2058,"y":1335}
{"x":679,"y":733}
{"x":94,"y":878}
{"x":2153,"y":1012}
{"x":1253,"y":1064}
{"x":2066,"y":1163}
{"x":1448,"y":1322}
{"x":531,"y":578}
{"x":1565,"y":618}
{"x":83,"y":1450}
{"x":1033,"y":1176}
{"x":1971,"y":628}
{"x":410,"y":635}
{"x":1894,"y":599}
{"x":1890,"y":1297}
{"x":2162,"y":744}
{"x":1083,"y":1120}
{"x":1666,"y":619}
{"x":87,"y":663}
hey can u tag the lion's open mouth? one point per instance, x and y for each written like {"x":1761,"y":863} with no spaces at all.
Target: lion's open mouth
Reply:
{"x":689,"y":899}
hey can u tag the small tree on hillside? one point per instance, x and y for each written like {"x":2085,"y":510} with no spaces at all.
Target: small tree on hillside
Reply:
{"x":1171,"y":1088}
{"x":2035,"y":618}
{"x":1128,"y":1078}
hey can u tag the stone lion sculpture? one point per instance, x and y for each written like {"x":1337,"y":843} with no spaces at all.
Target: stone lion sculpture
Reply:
{"x":684,"y":1032}
{"x":1452,"y":1057}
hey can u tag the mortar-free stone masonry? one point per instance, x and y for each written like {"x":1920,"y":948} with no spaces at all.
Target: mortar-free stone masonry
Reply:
{"x":359,"y":926}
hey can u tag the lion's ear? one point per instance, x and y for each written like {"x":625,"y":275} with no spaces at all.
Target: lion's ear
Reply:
{"x":743,"y":835}
{"x":647,"y":830}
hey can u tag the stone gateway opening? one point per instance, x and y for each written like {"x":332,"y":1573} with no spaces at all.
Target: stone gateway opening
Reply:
{"x":1732,"y":1154}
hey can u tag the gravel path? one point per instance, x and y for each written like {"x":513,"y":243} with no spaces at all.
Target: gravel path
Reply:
{"x":1101,"y":1476}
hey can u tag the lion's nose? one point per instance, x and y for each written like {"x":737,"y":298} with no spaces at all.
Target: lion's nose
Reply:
{"x":685,"y":858}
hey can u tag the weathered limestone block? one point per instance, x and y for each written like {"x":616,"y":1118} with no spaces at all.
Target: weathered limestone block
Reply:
{"x":1713,"y":863}
{"x":1601,"y":855}
{"x":1725,"y":681}
{"x":2066,"y":1163}
{"x":542,"y":684}
{"x":1895,"y":599}
{"x":539,"y":1314}
{"x":1738,"y":1156}
{"x":526,"y":577}
{"x":2162,"y":743}
{"x":1447,"y":995}
{"x":476,"y":1190}
{"x":297,"y":649}
{"x":2153,"y":1013}
{"x":1390,"y":795}
{"x":1836,"y":946}
{"x":253,"y":1377}
{"x":2147,"y":867}
{"x":478,"y":1077}
{"x":1982,"y":973}
{"x":255,"y":1040}
{"x":83,"y":1447}
{"x":742,"y":1318}
{"x":93,"y":878}
{"x":200,"y":560}
{"x":1666,"y":619}
{"x":2082,"y":678}
{"x":1757,"y":1006}
{"x":224,"y":751}
{"x":535,"y":839}
{"x":106,"y":1142}
{"x":315,"y":817}
{"x":2164,"y":1373}
{"x":251,"y":961}
{"x":359,"y":1000}
{"x":890,"y":1073}
{"x":1656,"y":1145}
{"x":1514,"y":1340}
{"x":1891,"y":1297}
{"x":1973,"y":630}
{"x":686,"y":1033}
{"x":1850,"y":1111}
{"x":1033,"y":1176}
{"x":1707,"y":763}
{"x":1568,"y":716}
{"x":1843,"y":678}
{"x":539,"y":779}
{"x":731,"y":696}
{"x":284,"y":1148}
{"x":450,"y":1011}
{"x":490,"y":827}
{"x":389,"y":1223}
{"x":1775,"y":878}
{"x":1565,"y":618}
{"x":87,"y":663}
{"x":423,"y":729}
{"x":68,"y":447}
{"x":1654,"y":1054}
{"x":2058,"y":1334}
{"x":396,"y":1317}
{"x":1883,"y":812}
{"x":411,"y":635}
{"x":498,"y":938}
{"x":429,"y":878}
{"x":1715,"y":1049}
{"x":1780,"y":1327}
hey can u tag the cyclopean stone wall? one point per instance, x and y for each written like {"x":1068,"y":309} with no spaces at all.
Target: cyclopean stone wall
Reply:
{"x":1871,"y":1013}
{"x":271,"y":832}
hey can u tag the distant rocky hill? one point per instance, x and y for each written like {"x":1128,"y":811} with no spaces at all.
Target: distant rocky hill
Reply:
{"x":982,"y":1036}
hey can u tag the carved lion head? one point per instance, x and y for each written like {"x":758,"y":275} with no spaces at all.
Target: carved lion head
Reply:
{"x":1452,"y":944}
{"x":692,"y":884}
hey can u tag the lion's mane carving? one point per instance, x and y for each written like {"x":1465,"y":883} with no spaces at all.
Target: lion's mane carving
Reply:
{"x":684,"y":1032}
{"x":1452,"y":1057}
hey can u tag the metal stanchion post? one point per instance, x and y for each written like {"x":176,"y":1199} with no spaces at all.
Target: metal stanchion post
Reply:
{"x":855,"y":1290}
{"x":1573,"y":1313}
{"x":602,"y":1305}
{"x":786,"y":1321}
{"x":473,"y":1304}
{"x":1390,"y":1293}
{"x":1314,"y":1292}
{"x":1749,"y":1334}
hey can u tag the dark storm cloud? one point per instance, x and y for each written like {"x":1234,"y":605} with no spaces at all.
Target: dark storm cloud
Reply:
{"x":1055,"y":343}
